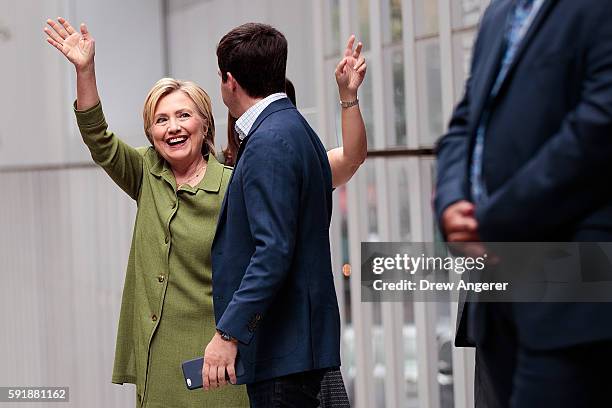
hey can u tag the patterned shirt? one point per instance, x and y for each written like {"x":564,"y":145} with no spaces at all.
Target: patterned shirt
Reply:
{"x":245,"y":122}
{"x":521,"y":19}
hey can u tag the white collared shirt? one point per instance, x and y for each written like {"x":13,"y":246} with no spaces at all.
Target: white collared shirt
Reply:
{"x":246,"y":121}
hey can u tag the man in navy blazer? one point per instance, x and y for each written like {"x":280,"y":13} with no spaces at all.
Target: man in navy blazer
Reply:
{"x":273,"y":289}
{"x":528,"y":157}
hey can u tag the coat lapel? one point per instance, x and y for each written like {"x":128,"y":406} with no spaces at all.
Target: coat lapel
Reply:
{"x":528,"y":38}
{"x":492,"y":51}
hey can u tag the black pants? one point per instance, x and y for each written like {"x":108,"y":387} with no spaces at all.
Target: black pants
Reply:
{"x":510,"y":375}
{"x":299,"y":390}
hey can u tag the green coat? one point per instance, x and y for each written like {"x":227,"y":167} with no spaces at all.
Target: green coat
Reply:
{"x":166,"y":312}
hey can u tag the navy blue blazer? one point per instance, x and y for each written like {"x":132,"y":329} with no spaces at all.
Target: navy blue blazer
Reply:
{"x":273,"y":287}
{"x":548,"y":148}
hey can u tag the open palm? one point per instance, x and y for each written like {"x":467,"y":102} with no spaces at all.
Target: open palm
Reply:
{"x":77,"y":47}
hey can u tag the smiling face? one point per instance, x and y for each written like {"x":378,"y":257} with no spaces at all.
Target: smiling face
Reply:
{"x":177,"y":131}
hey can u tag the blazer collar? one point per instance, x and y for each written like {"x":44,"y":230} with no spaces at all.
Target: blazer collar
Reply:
{"x":492,"y":53}
{"x":210,"y":183}
{"x":536,"y":24}
{"x":276,"y":106}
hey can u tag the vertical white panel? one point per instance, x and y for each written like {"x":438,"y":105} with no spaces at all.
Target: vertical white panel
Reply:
{"x":37,"y":106}
{"x":329,"y":139}
{"x":361,"y":312}
{"x":129,"y":60}
{"x":33,"y":90}
{"x":66,"y":235}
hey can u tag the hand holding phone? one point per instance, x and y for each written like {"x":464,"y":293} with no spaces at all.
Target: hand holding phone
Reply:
{"x":192,"y":371}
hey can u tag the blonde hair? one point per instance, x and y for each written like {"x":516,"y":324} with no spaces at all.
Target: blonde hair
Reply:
{"x":198,"y":96}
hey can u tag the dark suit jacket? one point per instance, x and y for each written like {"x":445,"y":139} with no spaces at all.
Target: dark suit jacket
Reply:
{"x":273,"y":287}
{"x":548,"y":149}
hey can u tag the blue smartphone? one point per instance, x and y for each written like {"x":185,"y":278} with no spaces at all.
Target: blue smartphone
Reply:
{"x":192,"y":371}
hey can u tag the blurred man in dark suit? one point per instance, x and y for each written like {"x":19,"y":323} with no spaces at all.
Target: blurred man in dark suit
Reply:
{"x":528,"y":157}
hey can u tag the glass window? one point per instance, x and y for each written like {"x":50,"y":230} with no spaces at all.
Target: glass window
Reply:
{"x":466,"y":13}
{"x":363,"y":17}
{"x":395,"y":98}
{"x":331,"y":28}
{"x":370,"y":192}
{"x":462,"y":58}
{"x":392,"y":21}
{"x":429,"y":91}
{"x":366,"y":103}
{"x":334,"y":139}
{"x":426,"y":17}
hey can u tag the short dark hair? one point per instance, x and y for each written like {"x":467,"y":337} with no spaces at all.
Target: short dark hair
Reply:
{"x":256,"y":56}
{"x":290,"y":91}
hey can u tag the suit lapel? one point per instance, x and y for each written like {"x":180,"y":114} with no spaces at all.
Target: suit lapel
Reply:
{"x":528,"y":38}
{"x":493,"y":52}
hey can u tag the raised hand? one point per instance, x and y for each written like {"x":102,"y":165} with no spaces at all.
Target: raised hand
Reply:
{"x":350,"y":71}
{"x":77,"y":47}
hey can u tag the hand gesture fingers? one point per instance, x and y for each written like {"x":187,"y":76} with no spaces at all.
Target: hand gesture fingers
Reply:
{"x":340,"y":67}
{"x":85,"y":31}
{"x":77,"y":47}
{"x":349,"y":46}
{"x":58,"y":29}
{"x":66,"y":25}
{"x":360,"y":63}
{"x":357,"y":51}
{"x":351,"y":70}
{"x":55,"y":44}
{"x":53,"y":34}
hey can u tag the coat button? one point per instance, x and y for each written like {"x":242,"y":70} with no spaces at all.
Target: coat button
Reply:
{"x":161,"y":278}
{"x":154,"y":318}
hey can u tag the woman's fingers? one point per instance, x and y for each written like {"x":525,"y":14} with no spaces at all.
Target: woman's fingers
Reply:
{"x":349,"y":46}
{"x":340,"y":67}
{"x":55,"y":44}
{"x":357,"y":52}
{"x":61,"y":32}
{"x":84,"y":30}
{"x":53,"y":35}
{"x":69,"y":29}
{"x":359,"y":63}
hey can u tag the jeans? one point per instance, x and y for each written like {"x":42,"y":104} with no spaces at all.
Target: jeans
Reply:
{"x":291,"y":391}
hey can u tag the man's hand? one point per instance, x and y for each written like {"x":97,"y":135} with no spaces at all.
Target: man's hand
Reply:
{"x":459,"y":225}
{"x":219,"y":358}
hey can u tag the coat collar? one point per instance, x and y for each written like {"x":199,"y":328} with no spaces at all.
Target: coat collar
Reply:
{"x":536,"y":24}
{"x":276,"y":106}
{"x":210,"y":183}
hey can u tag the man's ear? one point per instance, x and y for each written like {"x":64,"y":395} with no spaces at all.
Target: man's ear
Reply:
{"x":231,"y":81}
